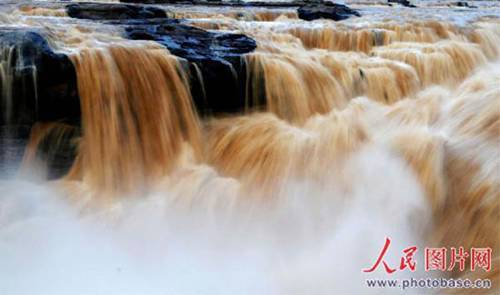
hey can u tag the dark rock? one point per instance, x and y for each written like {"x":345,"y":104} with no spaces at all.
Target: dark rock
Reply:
{"x":103,"y":11}
{"x":191,"y":43}
{"x":43,"y":83}
{"x":463,"y":4}
{"x":214,"y":61}
{"x":326,"y":10}
{"x":405,"y":3}
{"x":234,"y":3}
{"x":41,"y":86}
{"x":188,"y":2}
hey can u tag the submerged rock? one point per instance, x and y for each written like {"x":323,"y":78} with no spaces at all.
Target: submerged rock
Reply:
{"x":107,"y":11}
{"x":326,"y":10}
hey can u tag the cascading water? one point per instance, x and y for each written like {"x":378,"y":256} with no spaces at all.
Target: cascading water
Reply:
{"x":140,"y":115}
{"x":314,"y":142}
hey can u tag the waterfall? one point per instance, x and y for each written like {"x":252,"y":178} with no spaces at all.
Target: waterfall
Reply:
{"x":222,"y":148}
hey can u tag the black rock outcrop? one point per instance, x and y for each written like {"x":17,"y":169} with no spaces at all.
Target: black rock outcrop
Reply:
{"x":106,"y":11}
{"x":232,"y":3}
{"x":326,"y":10}
{"x":214,"y":61}
{"x":41,"y":83}
{"x":36,"y":85}
{"x":405,"y":3}
{"x":462,"y":4}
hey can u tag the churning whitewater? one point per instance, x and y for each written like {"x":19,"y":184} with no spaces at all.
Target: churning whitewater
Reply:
{"x":177,"y":148}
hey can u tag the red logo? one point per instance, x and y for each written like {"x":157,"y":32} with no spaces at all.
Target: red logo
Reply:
{"x":480,"y":257}
{"x":436,"y":259}
{"x":407,"y":260}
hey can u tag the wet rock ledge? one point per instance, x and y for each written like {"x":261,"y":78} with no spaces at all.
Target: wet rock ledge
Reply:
{"x":218,"y":57}
{"x":100,"y":11}
{"x":327,"y":10}
{"x":39,"y":84}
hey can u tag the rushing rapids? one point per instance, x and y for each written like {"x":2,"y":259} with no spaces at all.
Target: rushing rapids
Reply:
{"x":226,"y":141}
